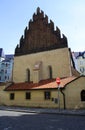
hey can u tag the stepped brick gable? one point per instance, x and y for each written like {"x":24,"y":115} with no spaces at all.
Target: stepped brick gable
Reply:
{"x":40,"y":35}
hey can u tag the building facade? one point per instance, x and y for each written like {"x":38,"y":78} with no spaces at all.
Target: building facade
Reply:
{"x":46,"y":94}
{"x":2,"y":55}
{"x":75,"y":93}
{"x":79,"y":60}
{"x":41,"y":55}
{"x":6,"y":68}
{"x":43,"y":65}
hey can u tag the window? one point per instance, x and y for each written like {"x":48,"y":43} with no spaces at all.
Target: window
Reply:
{"x":28,"y":95}
{"x":2,"y":70}
{"x":5,"y":77}
{"x":28,"y":75}
{"x":82,"y":69}
{"x":47,"y":95}
{"x":5,"y":71}
{"x":83,"y":95}
{"x":50,"y":71}
{"x":6,"y":65}
{"x":11,"y":96}
{"x":8,"y":77}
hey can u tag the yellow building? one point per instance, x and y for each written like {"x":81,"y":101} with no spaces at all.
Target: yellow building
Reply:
{"x":42,"y":53}
{"x":75,"y":93}
{"x":40,"y":57}
{"x":42,"y":65}
{"x":70,"y":95}
{"x":42,"y":94}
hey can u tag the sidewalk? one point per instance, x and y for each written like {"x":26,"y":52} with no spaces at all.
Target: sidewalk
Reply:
{"x":44,"y":110}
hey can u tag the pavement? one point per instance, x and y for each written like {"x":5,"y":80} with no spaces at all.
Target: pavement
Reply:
{"x":44,"y":110}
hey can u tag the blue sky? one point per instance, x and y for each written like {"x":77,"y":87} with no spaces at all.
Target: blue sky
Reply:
{"x":68,"y":15}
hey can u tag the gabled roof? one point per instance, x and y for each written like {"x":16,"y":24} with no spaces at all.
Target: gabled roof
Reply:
{"x":44,"y":84}
{"x":74,"y":80}
{"x":36,"y":36}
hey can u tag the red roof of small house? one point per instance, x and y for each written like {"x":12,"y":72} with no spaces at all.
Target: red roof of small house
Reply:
{"x":44,"y":84}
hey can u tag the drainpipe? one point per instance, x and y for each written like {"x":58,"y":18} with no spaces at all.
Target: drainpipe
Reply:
{"x":63,"y":98}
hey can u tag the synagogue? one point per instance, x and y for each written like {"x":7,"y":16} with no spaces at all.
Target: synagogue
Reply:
{"x":41,"y":56}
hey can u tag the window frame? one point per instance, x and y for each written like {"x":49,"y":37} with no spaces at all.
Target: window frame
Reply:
{"x":27,"y":75}
{"x":12,"y":96}
{"x":83,"y":95}
{"x":28,"y":95}
{"x":50,"y":72}
{"x":47,"y":95}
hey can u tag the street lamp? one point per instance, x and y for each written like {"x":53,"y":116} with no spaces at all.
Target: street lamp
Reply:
{"x":58,"y":83}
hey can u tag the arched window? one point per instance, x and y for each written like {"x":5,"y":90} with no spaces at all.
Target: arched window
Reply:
{"x":50,"y":71}
{"x":83,"y":95}
{"x":28,"y":75}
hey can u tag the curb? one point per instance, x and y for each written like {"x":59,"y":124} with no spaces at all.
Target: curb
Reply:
{"x":44,"y":112}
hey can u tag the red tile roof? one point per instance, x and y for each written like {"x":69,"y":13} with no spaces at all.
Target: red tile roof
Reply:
{"x":44,"y":84}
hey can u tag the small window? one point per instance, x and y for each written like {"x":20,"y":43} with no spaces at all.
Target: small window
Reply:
{"x":2,"y":70}
{"x":5,"y":77}
{"x":6,"y":65}
{"x":82,"y":69}
{"x":5,"y":71}
{"x":11,"y":96}
{"x":47,"y":95}
{"x":28,"y":95}
{"x":8,"y":77}
{"x":83,"y":95}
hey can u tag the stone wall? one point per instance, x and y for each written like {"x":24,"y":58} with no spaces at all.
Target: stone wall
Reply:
{"x":58,"y":60}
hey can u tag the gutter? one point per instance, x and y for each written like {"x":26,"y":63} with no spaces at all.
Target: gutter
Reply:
{"x":63,"y":98}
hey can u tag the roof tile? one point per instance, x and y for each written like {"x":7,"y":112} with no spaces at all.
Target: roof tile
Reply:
{"x":44,"y":84}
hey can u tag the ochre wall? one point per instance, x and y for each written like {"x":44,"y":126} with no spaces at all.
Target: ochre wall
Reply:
{"x":73,"y":94}
{"x":3,"y":95}
{"x":59,"y":59}
{"x":37,"y":99}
